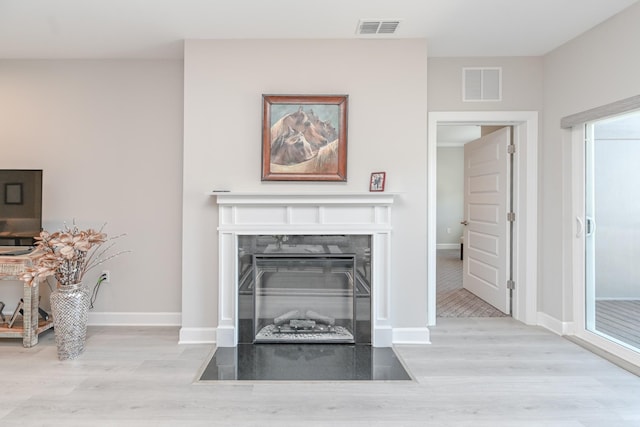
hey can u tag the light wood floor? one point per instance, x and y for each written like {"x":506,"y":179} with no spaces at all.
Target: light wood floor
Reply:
{"x":478,"y":372}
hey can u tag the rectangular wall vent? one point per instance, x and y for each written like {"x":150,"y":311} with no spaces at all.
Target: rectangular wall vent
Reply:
{"x":482,"y":84}
{"x":377,"y":26}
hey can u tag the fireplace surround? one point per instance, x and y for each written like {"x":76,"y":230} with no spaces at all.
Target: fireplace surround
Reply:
{"x":247,"y":216}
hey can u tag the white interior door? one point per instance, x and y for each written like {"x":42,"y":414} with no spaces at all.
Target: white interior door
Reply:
{"x":486,"y":204}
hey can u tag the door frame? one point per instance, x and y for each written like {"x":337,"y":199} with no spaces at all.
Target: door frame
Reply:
{"x":525,"y":202}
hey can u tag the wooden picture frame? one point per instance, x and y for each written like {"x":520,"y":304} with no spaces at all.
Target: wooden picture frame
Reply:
{"x":304,"y":137}
{"x":376,"y":183}
{"x":13,"y":193}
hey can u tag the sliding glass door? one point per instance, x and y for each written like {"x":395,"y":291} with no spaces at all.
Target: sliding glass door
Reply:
{"x":612,"y":229}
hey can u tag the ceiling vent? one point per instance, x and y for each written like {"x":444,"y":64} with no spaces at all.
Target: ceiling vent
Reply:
{"x":370,"y":27}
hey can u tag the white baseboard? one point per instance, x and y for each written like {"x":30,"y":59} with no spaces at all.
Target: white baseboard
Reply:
{"x":411,"y":336}
{"x":447,"y":245}
{"x":382,"y":337}
{"x":209,"y":335}
{"x":134,"y":319}
{"x":197,"y":336}
{"x":554,"y":325}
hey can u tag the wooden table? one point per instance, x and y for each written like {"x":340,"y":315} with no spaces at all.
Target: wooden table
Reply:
{"x":11,"y":267}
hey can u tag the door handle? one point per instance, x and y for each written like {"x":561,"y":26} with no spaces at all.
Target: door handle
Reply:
{"x":465,"y":222}
{"x":590,"y":227}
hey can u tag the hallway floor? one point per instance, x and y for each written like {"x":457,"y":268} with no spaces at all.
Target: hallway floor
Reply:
{"x":452,"y":300}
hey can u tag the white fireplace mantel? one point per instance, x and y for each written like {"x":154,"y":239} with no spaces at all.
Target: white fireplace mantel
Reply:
{"x":304,"y":213}
{"x":241,"y":198}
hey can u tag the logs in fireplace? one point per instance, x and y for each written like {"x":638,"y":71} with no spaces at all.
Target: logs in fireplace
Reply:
{"x":296,"y":325}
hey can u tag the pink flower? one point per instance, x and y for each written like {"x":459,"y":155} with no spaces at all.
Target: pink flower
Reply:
{"x":67,"y":252}
{"x":67,"y":255}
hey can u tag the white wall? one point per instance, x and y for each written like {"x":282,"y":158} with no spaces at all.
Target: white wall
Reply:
{"x":522,"y":90}
{"x":596,"y":68}
{"x":387,"y":120}
{"x":108,"y":135}
{"x":521,"y":84}
{"x":450,"y":197}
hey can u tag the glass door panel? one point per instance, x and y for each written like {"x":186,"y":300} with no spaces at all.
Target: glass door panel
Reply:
{"x":612,"y":229}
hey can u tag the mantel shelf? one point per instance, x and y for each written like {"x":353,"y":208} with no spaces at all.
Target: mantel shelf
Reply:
{"x":265,"y":198}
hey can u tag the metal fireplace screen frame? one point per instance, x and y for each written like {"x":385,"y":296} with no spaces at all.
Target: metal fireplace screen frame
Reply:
{"x":251,"y":245}
{"x":315,"y":293}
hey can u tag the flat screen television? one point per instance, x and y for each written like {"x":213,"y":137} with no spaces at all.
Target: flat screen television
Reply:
{"x":20,"y":206}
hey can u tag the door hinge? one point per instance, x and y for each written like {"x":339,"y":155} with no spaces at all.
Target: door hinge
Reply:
{"x":511,"y":216}
{"x":511,"y":149}
{"x":511,"y":284}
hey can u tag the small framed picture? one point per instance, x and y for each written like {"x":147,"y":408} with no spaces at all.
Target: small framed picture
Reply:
{"x":377,"y":181}
{"x":13,"y":193}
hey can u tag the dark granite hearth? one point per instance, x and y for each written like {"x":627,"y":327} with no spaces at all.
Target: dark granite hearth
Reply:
{"x":304,"y":362}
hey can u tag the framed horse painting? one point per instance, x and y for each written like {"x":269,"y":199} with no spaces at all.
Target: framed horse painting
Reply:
{"x":304,"y":138}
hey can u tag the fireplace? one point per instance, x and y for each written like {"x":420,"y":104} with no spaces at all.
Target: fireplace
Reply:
{"x":308,"y":267}
{"x":304,"y":289}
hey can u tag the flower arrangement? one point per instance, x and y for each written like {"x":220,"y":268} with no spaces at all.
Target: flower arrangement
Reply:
{"x":68,"y":254}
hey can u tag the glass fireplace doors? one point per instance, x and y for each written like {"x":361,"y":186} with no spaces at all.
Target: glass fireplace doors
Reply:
{"x":304,"y":288}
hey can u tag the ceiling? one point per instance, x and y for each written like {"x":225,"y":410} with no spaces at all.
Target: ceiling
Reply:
{"x":156,"y":28}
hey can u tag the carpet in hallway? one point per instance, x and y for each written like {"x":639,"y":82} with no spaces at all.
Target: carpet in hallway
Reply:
{"x":452,"y":299}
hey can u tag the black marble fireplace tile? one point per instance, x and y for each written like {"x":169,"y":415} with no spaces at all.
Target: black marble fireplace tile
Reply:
{"x":304,"y":362}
